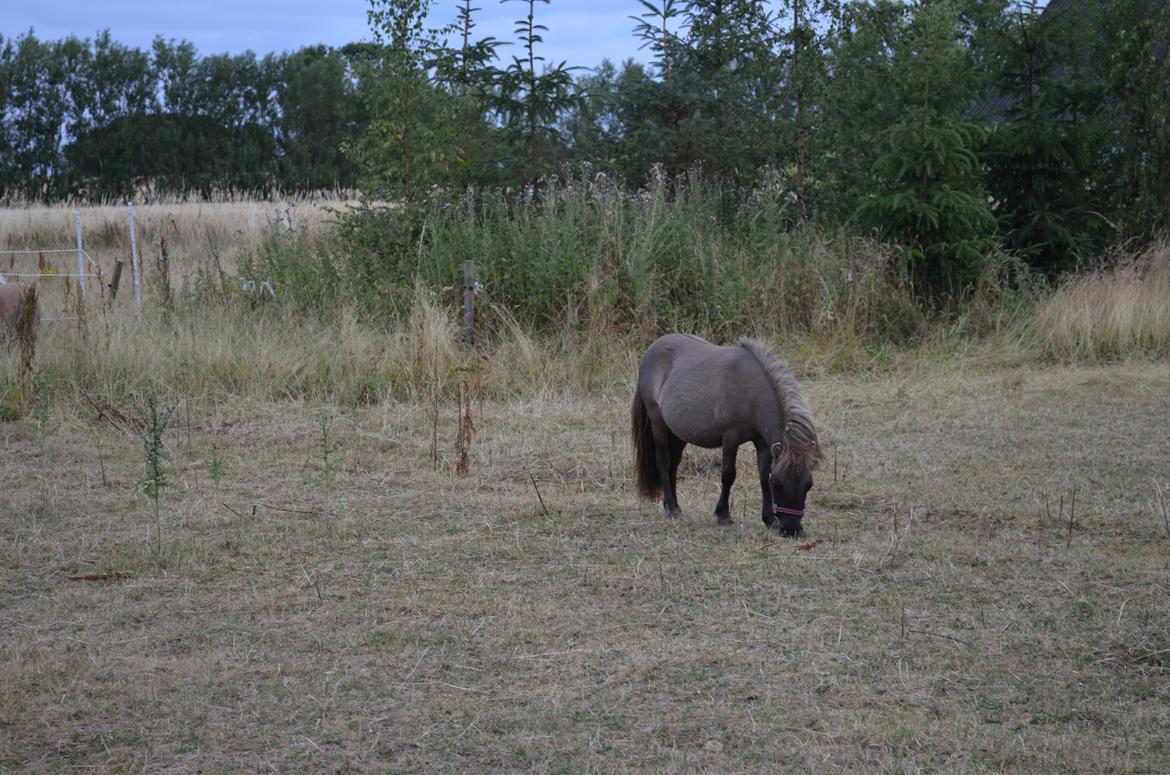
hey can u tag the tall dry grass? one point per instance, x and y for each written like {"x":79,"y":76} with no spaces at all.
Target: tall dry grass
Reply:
{"x":245,"y":348}
{"x":1119,"y":311}
{"x":576,"y":289}
{"x":198,"y":233}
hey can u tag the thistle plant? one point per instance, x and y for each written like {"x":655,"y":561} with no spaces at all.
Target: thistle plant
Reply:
{"x":326,"y":423}
{"x":216,"y":467}
{"x":153,"y":421}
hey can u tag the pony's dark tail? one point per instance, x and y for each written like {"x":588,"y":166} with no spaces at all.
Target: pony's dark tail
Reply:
{"x":645,"y":469}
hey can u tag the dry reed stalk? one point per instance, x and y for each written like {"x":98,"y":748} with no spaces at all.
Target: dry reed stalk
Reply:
{"x":163,"y":263}
{"x":26,"y":332}
{"x":479,"y":384}
{"x":1162,"y":504}
{"x":82,"y":328}
{"x":539,"y":497}
{"x":466,"y":429}
{"x":435,"y":430}
{"x":420,"y":365}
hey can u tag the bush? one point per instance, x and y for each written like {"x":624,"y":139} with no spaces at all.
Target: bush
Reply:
{"x":581,"y":252}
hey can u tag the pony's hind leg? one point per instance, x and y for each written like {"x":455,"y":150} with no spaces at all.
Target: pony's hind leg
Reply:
{"x":723,"y":507}
{"x":665,"y":445}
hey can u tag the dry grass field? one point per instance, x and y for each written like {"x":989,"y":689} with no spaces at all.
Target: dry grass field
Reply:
{"x":198,"y":234}
{"x":335,"y":604}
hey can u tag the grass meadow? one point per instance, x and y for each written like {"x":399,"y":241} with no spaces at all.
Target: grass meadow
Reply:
{"x":984,"y":582}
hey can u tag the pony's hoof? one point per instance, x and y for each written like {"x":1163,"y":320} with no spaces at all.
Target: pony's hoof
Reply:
{"x":725,"y":520}
{"x":674,"y":515}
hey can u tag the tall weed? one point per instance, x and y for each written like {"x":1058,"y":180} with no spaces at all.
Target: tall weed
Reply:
{"x":1117,"y":311}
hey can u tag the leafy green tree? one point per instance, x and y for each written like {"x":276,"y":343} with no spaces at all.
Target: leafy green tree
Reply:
{"x":732,"y":76}
{"x":176,"y":66}
{"x":173,"y":122}
{"x":656,"y":114}
{"x":928,"y":192}
{"x":646,"y":113}
{"x":115,"y":90}
{"x":34,"y":111}
{"x":408,"y":145}
{"x":712,"y":95}
{"x":320,"y":112}
{"x":657,"y":28}
{"x":119,"y":82}
{"x":811,"y":22}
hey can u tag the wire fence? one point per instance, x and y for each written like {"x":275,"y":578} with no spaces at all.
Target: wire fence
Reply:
{"x":87,"y":267}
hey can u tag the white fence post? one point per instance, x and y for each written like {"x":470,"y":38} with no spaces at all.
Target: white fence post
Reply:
{"x":81,"y":267}
{"x":134,"y":259}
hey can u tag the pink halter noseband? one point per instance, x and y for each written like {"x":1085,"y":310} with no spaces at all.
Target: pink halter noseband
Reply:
{"x":798,"y":513}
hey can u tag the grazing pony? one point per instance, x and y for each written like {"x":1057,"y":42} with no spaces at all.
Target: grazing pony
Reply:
{"x":693,"y":392}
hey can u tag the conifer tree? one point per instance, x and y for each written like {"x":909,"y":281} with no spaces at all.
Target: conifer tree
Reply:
{"x":927,"y":179}
{"x":531,"y":101}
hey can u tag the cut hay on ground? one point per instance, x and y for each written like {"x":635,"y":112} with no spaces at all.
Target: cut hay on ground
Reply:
{"x":369,"y":613}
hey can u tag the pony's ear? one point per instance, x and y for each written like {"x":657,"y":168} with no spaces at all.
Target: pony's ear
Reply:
{"x":777,"y":449}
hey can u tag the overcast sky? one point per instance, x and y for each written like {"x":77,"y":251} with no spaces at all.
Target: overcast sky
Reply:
{"x":581,"y":32}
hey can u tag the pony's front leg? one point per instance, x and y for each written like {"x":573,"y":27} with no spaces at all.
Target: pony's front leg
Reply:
{"x":764,"y":463}
{"x":723,"y":508}
{"x":677,"y":446}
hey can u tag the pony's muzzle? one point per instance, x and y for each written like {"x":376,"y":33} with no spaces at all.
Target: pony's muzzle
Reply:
{"x":790,"y":527}
{"x":789,"y":520}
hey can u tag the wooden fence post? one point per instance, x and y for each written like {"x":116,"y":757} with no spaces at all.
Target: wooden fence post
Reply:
{"x":117,"y":278}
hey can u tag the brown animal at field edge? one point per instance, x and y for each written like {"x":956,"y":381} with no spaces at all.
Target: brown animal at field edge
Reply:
{"x":12,"y":297}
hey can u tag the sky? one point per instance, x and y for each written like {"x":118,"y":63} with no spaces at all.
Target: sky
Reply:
{"x":581,"y":32}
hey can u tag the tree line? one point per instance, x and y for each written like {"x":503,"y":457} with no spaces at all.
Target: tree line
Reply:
{"x":948,"y":126}
{"x":95,"y":119}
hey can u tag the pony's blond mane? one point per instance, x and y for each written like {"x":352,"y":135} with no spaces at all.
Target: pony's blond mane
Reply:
{"x":800,"y":433}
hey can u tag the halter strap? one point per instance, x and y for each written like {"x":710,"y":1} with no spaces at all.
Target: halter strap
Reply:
{"x":784,"y":509}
